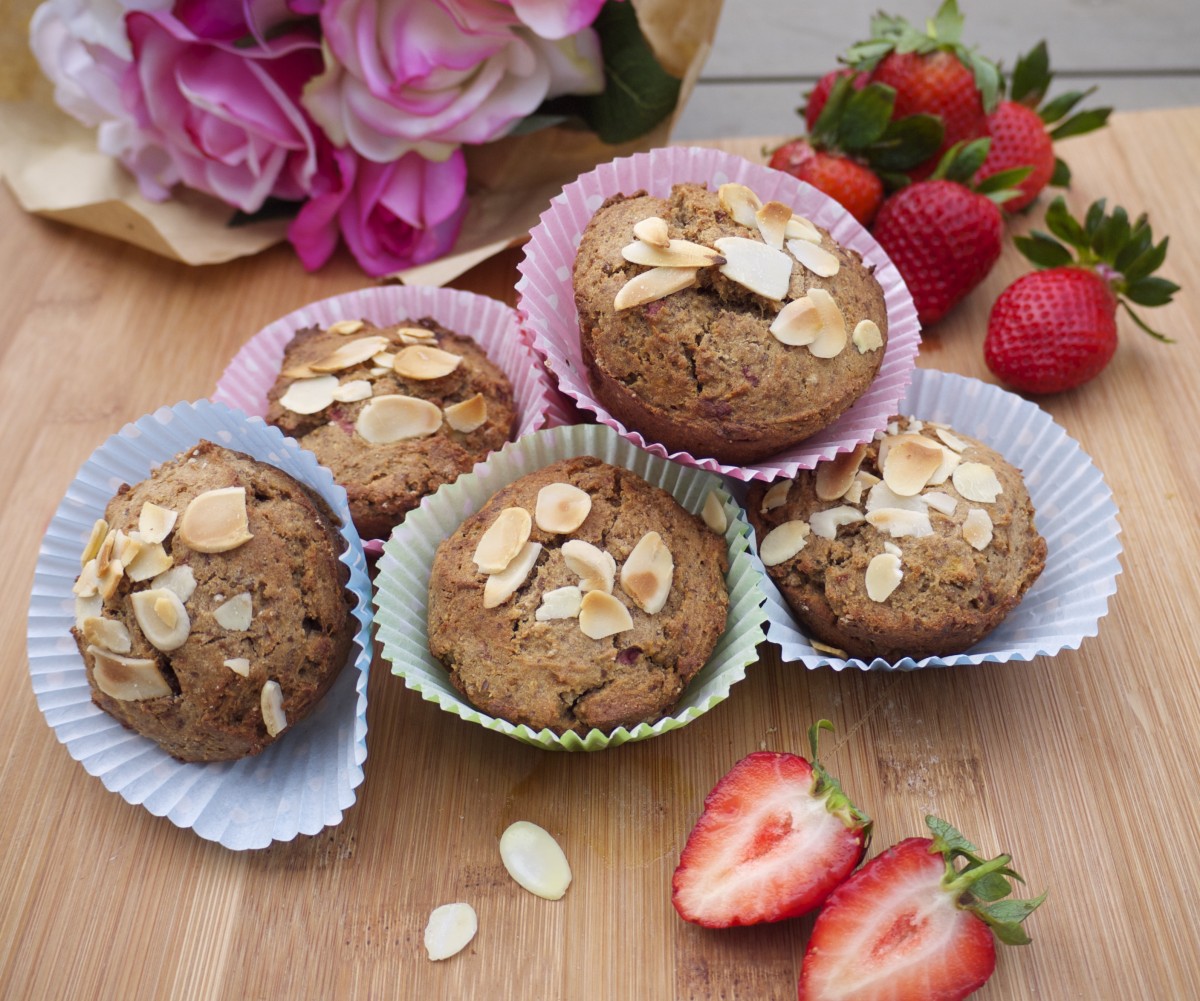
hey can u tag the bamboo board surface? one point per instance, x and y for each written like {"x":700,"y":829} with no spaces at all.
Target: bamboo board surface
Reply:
{"x":1083,"y":765}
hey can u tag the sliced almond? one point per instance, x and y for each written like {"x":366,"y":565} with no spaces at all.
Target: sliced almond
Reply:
{"x":826,"y":523}
{"x":653,"y":231}
{"x":950,"y":461}
{"x":382,"y":361}
{"x":647,"y":573}
{"x":162,"y":618}
{"x":561,"y":603}
{"x":395,"y":418}
{"x":270,"y":700}
{"x":783,"y":542}
{"x":943,"y":503}
{"x":236,"y":614}
{"x":899,"y":523}
{"x":468,"y":415}
{"x":87,"y":608}
{"x":829,"y":651}
{"x":799,"y":228}
{"x":309,"y":396}
{"x":104,"y":555}
{"x":772,"y":221}
{"x":353,"y":391}
{"x":976,"y":482}
{"x":503,"y":540}
{"x":596,"y":569}
{"x":534,"y":859}
{"x":155,"y":523}
{"x":112,"y":577}
{"x":345,"y":327}
{"x":95,"y":540}
{"x":109,"y":634}
{"x":678,"y":254}
{"x":713,"y":513}
{"x":814,"y":258}
{"x":423,"y":362}
{"x":298,"y":372}
{"x":777,"y":496}
{"x":910,"y":464}
{"x":151,"y":560}
{"x":891,"y":547}
{"x":415,"y":335}
{"x":755,"y":266}
{"x":353,"y":353}
{"x":238,"y":665}
{"x":652,"y":285}
{"x":449,"y":930}
{"x":127,"y":547}
{"x":915,"y":425}
{"x":128,"y":679}
{"x":882,"y":496}
{"x":601,"y":615}
{"x":832,"y":340}
{"x":977,"y":528}
{"x":215,"y":521}
{"x":798,"y":323}
{"x":835,"y":476}
{"x":561,"y":508}
{"x":867,"y":336}
{"x":87,"y":583}
{"x":501,"y":586}
{"x":741,"y":203}
{"x":179,"y":579}
{"x":883,"y":576}
{"x":951,"y":441}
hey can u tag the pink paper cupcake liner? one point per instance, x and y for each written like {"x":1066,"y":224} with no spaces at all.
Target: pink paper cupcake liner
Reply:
{"x":490,"y":323}
{"x":547,"y":298}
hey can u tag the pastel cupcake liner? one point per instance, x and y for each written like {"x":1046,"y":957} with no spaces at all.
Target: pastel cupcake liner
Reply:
{"x":300,"y":784}
{"x":249,"y":377}
{"x":547,"y":298}
{"x":1074,"y":512}
{"x":402,"y":580}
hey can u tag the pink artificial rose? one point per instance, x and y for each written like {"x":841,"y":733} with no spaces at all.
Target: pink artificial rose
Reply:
{"x":391,"y":215}
{"x":430,"y":76}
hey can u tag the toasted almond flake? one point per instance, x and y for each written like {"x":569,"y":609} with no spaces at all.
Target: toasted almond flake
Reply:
{"x":179,"y":579}
{"x":87,"y":583}
{"x":772,"y":220}
{"x":755,"y":266}
{"x":891,"y":547}
{"x":109,"y":582}
{"x":238,"y":665}
{"x":895,"y":438}
{"x":653,"y":231}
{"x":215,"y":521}
{"x":713,"y":513}
{"x":468,"y":415}
{"x":867,"y":336}
{"x":271,"y":702}
{"x":596,"y":569}
{"x":652,"y":285}
{"x":777,"y":496}
{"x":915,"y":425}
{"x":976,"y":482}
{"x":353,"y":353}
{"x":353,"y":391}
{"x":799,"y":228}
{"x":829,"y":651}
{"x":396,"y":417}
{"x":309,"y":396}
{"x":741,"y":203}
{"x":423,"y":362}
{"x":104,"y":555}
{"x":128,"y":679}
{"x":977,"y":528}
{"x":108,"y":634}
{"x":951,"y":441}
{"x":449,"y":930}
{"x":561,"y":603}
{"x":95,"y":540}
{"x":832,"y":340}
{"x":384,"y":361}
{"x":826,"y":523}
{"x":783,"y":542}
{"x":155,"y":523}
{"x":561,"y":508}
{"x":910,"y":464}
{"x":298,"y":372}
{"x":87,"y":608}
{"x":151,"y":560}
{"x":503,"y":540}
{"x":882,"y":496}
{"x":601,"y":615}
{"x":346,"y":327}
{"x":534,"y":859}
{"x":950,"y":461}
{"x":501,"y":586}
{"x":893,"y":427}
{"x":883,"y":576}
{"x":647,"y":573}
{"x":236,"y":613}
{"x":941,"y":502}
{"x":165,"y":608}
{"x":899,"y":523}
{"x":378,"y":370}
{"x":814,"y":258}
{"x":678,"y":254}
{"x":798,"y":323}
{"x":127,"y":547}
{"x":835,"y":477}
{"x":415,"y":335}
{"x":162,"y":618}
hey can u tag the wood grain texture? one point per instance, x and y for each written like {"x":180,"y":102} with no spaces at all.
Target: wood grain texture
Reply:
{"x":1083,"y":765}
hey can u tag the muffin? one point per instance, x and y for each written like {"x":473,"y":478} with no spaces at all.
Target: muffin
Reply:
{"x":211,"y":611}
{"x":723,"y":327}
{"x":577,"y":597}
{"x":393,"y":412}
{"x":914,"y":545}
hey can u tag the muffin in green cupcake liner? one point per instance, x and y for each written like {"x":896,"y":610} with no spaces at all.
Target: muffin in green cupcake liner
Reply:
{"x":402,"y":580}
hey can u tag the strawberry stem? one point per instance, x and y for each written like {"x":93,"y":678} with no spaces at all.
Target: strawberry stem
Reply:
{"x":824,"y":784}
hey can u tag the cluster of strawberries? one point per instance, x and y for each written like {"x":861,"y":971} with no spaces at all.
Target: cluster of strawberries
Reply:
{"x":916,"y":113}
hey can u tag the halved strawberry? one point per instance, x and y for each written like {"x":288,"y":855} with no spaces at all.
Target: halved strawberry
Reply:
{"x":913,"y":926}
{"x":777,"y":835}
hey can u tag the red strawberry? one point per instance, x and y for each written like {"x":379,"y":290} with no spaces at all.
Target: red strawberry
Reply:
{"x":776,"y":836}
{"x":852,"y":184}
{"x":820,"y":92}
{"x":1055,"y":329}
{"x":913,"y":926}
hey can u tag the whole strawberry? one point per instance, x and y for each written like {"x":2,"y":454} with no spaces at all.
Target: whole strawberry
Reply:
{"x":846,"y":181}
{"x":1054,"y":329}
{"x":776,"y":836}
{"x":942,"y":235}
{"x":911,"y":925}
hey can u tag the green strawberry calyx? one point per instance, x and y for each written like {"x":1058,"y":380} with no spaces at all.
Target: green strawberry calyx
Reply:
{"x":982,"y":886}
{"x":1121,"y":252}
{"x":826,"y":786}
{"x":943,"y":32}
{"x":961,"y":162}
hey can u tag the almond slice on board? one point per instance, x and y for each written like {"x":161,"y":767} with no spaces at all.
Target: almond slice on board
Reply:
{"x":535,"y":860}
{"x":449,"y":930}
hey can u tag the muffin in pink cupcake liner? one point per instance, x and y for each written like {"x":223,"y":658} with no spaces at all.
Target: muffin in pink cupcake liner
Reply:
{"x":494,"y":326}
{"x":547,"y":298}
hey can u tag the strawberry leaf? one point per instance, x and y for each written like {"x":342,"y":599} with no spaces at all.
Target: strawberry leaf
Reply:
{"x":1005,"y":917}
{"x":1062,"y":224}
{"x":836,"y":800}
{"x":867,"y":55}
{"x":1031,"y":76}
{"x":1112,"y":235}
{"x":1085,"y":121}
{"x":905,"y":143}
{"x":1044,"y":251}
{"x":1061,"y":178}
{"x":1150,"y":291}
{"x":947,"y":23}
{"x":1061,"y":106}
{"x":987,"y":78}
{"x":1003,"y":180}
{"x":946,"y":837}
{"x":1144,"y":264}
{"x":1094,"y":217}
{"x":866,"y":116}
